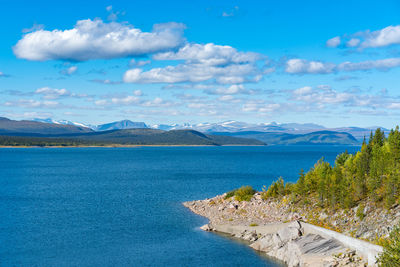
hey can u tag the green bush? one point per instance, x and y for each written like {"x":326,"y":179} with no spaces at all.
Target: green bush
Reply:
{"x":360,"y":211}
{"x":245,"y":193}
{"x":230,"y":194}
{"x":391,"y":250}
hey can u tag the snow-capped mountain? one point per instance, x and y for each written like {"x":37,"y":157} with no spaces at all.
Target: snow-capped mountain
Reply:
{"x":118,"y":125}
{"x":63,"y":122}
{"x":230,"y":126}
{"x":237,"y":126}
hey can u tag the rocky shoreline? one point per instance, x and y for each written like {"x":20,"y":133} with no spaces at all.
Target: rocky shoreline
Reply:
{"x":274,"y":228}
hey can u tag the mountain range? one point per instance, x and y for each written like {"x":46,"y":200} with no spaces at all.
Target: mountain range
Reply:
{"x":271,"y":133}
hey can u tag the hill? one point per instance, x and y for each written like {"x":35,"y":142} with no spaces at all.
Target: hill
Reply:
{"x":24,"y":127}
{"x":314,"y":138}
{"x":128,"y":137}
{"x":160,"y":137}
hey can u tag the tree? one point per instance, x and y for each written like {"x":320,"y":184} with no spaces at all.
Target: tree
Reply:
{"x":391,"y":250}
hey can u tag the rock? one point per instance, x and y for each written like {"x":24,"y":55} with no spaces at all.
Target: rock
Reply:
{"x":323,"y":216}
{"x":206,"y":227}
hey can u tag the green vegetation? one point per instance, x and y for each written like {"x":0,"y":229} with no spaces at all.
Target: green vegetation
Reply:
{"x":230,"y":194}
{"x":314,"y":138}
{"x":372,"y":173}
{"x":360,"y":211}
{"x":391,"y":250}
{"x":124,"y":137}
{"x":245,"y":193}
{"x":21,"y":141}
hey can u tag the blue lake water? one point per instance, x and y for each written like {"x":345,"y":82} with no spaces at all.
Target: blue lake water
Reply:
{"x":122,"y":206}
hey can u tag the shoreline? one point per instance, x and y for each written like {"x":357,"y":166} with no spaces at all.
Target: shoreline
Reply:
{"x":282,"y":236}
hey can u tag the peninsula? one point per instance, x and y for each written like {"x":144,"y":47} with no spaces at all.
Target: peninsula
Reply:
{"x":341,"y":215}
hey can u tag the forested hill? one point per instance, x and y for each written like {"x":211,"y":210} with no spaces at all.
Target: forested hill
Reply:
{"x":373,"y":173}
{"x":12,"y":127}
{"x":313,"y":138}
{"x":127,"y":137}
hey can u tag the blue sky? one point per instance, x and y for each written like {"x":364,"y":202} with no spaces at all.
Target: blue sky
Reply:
{"x":333,"y":63}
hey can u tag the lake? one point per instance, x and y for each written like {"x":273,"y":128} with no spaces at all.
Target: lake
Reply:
{"x":122,"y":206}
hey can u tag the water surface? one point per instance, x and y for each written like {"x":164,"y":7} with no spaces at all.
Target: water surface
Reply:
{"x":122,"y":206}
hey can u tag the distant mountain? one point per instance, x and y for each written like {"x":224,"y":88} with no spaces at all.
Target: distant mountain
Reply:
{"x":63,"y":122}
{"x":314,"y":138}
{"x":118,"y":125}
{"x":231,"y":126}
{"x":128,"y":137}
{"x":24,"y":127}
{"x":236,"y":126}
{"x":359,"y":133}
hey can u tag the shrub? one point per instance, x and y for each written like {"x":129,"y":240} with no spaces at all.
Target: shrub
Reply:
{"x":245,"y":193}
{"x":360,"y":211}
{"x":391,"y":250}
{"x":275,"y":190}
{"x":230,"y":194}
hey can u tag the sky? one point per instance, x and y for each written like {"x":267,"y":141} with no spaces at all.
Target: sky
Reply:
{"x":334,"y":63}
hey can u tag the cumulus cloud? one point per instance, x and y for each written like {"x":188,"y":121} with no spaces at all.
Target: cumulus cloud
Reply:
{"x":233,"y":89}
{"x":334,"y":42}
{"x":261,"y":107}
{"x":139,"y":63}
{"x":366,"y":39}
{"x":54,"y":93}
{"x":323,"y":94}
{"x":353,"y":42}
{"x":209,"y":54}
{"x":95,"y":39}
{"x":224,"y":64}
{"x":301,"y":66}
{"x":69,"y":71}
{"x":384,"y":37}
{"x":382,"y":64}
{"x":31,"y":103}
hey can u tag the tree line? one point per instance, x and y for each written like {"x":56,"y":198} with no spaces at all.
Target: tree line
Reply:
{"x":373,"y":172}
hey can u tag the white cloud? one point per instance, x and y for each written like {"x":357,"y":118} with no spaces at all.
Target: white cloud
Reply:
{"x":191,"y":73}
{"x":29,"y":115}
{"x":233,"y":89}
{"x":128,"y":100}
{"x":334,"y":42}
{"x":323,"y":94}
{"x":54,"y":93}
{"x":261,"y":107}
{"x":69,"y":71}
{"x":95,"y":39}
{"x":382,"y":64}
{"x":224,"y":64}
{"x":50,"y":93}
{"x":353,"y":42}
{"x":209,"y":54}
{"x":137,"y":93}
{"x":139,"y":63}
{"x":31,"y":103}
{"x":301,"y":66}
{"x":384,"y":37}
